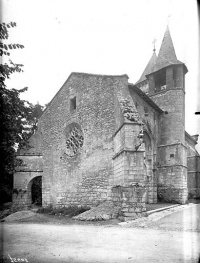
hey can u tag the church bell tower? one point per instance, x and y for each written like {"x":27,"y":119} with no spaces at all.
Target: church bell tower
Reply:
{"x":167,"y":89}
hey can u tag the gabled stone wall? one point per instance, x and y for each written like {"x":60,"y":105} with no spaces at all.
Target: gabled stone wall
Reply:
{"x":80,"y":172}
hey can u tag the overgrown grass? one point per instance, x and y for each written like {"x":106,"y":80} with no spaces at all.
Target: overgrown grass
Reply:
{"x":69,"y":211}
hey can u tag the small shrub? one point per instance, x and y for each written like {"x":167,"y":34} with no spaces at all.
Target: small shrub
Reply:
{"x":83,"y":209}
{"x":7,"y":205}
{"x":45,"y":210}
{"x":69,"y":211}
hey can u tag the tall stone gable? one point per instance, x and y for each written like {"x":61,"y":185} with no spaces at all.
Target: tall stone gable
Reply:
{"x":77,"y":128}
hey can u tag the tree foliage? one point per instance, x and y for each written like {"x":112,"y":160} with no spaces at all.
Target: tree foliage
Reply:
{"x":7,"y":69}
{"x":18,"y":119}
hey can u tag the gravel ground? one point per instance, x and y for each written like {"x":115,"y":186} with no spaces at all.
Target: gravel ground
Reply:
{"x":45,"y":243}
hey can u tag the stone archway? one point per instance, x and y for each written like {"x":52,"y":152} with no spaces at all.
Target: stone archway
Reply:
{"x":35,"y":191}
{"x":148,"y":155}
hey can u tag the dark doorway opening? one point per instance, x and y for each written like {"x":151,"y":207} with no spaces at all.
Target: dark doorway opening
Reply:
{"x":36,"y":191}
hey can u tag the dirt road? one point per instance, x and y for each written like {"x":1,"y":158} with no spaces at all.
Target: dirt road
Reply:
{"x":172,"y":237}
{"x":92,"y":244}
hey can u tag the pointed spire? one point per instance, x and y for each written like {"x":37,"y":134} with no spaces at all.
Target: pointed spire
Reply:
{"x":149,"y":68}
{"x":167,"y":55}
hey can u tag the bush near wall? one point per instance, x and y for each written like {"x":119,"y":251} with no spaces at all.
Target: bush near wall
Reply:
{"x":69,"y":211}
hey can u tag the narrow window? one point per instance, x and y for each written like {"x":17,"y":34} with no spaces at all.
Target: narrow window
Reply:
{"x":160,"y":80}
{"x":73,"y":104}
{"x":174,"y":76}
{"x":146,"y":111}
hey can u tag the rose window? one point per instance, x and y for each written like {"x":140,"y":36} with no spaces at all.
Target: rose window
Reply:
{"x":74,"y":141}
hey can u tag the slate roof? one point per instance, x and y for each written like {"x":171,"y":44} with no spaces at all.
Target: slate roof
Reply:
{"x":167,"y":55}
{"x":145,"y":97}
{"x":191,"y":138}
{"x":149,"y":68}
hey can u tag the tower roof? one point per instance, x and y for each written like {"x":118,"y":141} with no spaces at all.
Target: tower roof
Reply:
{"x":149,"y":68}
{"x":167,"y":55}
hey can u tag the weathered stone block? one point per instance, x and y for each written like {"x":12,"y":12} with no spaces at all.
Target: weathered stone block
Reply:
{"x":127,"y":214}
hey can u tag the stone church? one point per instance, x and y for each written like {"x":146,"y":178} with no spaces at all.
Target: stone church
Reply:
{"x":100,"y":132}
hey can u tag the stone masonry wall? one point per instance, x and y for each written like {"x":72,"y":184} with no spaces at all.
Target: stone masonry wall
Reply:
{"x":172,"y":166}
{"x":127,"y":143}
{"x":193,"y":169}
{"x":131,"y":199}
{"x":85,"y":177}
{"x":22,"y":188}
{"x":30,"y":163}
{"x":128,"y":162}
{"x":193,"y":181}
{"x":172,"y":153}
{"x":151,"y":119}
{"x":31,"y":166}
{"x":172,"y":126}
{"x":129,"y":150}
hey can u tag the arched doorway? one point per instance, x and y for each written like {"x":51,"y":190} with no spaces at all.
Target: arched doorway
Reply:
{"x":148,"y":154}
{"x":35,"y":191}
{"x":148,"y":166}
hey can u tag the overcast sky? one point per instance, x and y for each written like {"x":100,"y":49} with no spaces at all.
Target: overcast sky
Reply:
{"x":110,"y":37}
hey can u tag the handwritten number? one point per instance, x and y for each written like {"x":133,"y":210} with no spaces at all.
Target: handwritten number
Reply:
{"x":12,"y":260}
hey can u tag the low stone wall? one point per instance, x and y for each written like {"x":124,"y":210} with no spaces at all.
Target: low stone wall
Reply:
{"x":127,"y":203}
{"x":20,"y":199}
{"x":194,"y":193}
{"x":131,"y":199}
{"x":173,"y":195}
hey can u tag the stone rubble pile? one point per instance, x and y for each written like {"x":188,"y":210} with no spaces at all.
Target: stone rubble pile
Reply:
{"x":104,"y":211}
{"x":19,"y":215}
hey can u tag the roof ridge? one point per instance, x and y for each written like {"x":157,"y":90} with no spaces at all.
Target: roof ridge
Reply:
{"x":98,"y":75}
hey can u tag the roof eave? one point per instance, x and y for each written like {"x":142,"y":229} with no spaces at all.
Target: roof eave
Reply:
{"x":173,"y":64}
{"x":145,"y":97}
{"x":190,"y":138}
